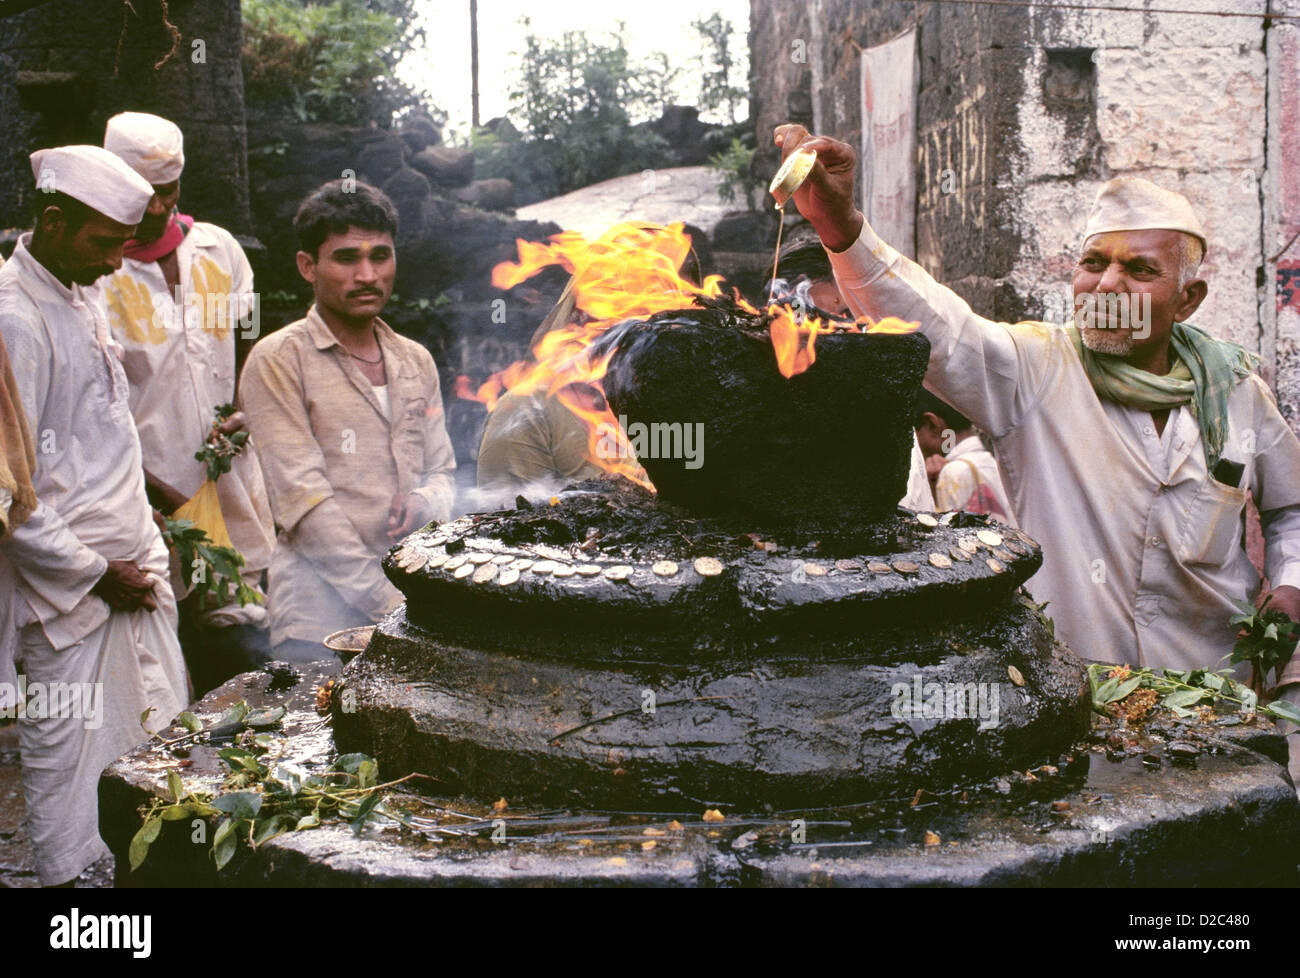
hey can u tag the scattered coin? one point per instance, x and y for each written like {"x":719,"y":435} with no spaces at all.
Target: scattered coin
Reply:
{"x":968,"y":544}
{"x":847,"y":565}
{"x":455,"y":562}
{"x":589,"y":570}
{"x":708,"y":566}
{"x":1015,"y":675}
{"x":989,"y":538}
{"x":464,"y":570}
{"x":959,"y":554}
{"x":995,"y":566}
{"x":946,"y":519}
{"x":665,"y":568}
{"x":520,"y":564}
{"x":436,"y":561}
{"x":507,"y":577}
{"x":876,"y":567}
{"x":906,"y":567}
{"x":544,"y":567}
{"x":480,"y":558}
{"x":1003,"y":555}
{"x":503,"y":559}
{"x":564,"y":570}
{"x":415,"y":562}
{"x":925,"y":519}
{"x":941,"y":560}
{"x":814,"y":570}
{"x":619,"y":572}
{"x":485,"y":573}
{"x":1015,"y":548}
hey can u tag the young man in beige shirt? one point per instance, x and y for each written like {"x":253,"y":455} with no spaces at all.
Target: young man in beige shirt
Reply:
{"x":348,"y":418}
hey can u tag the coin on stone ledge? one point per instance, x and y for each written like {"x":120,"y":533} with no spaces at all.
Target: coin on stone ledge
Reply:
{"x":995,"y":566}
{"x":665,"y":568}
{"x":543,"y":567}
{"x":464,"y":570}
{"x":814,"y":570}
{"x":968,"y":544}
{"x":415,"y":562}
{"x":708,"y":566}
{"x":485,"y":573}
{"x":503,"y":559}
{"x":480,"y":558}
{"x":1002,"y":555}
{"x":906,"y":567}
{"x":876,"y":567}
{"x":925,"y":519}
{"x":455,"y":563}
{"x":436,"y":561}
{"x":941,"y":560}
{"x":520,"y":564}
{"x":989,"y":538}
{"x":847,"y":565}
{"x":959,"y":554}
{"x":619,"y":572}
{"x":589,"y":570}
{"x":564,"y":570}
{"x":507,"y":577}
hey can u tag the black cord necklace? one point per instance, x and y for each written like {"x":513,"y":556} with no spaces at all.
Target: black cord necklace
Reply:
{"x":364,"y":360}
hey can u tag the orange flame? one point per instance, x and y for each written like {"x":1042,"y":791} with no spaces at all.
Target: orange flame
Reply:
{"x":630,"y":272}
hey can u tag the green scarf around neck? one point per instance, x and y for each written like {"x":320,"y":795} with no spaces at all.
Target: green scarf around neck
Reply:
{"x":1204,"y":374}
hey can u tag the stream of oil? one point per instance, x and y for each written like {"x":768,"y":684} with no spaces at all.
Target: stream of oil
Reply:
{"x":776,"y":258}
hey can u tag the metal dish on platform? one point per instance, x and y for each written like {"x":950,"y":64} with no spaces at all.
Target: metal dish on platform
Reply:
{"x":348,"y":643}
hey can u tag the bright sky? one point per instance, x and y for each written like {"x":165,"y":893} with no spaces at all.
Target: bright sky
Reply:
{"x":657,"y":25}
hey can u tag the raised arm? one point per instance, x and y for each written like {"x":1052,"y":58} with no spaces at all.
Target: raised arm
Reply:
{"x":991,"y":372}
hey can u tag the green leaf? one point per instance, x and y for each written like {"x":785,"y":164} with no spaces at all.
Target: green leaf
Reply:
{"x":363,"y":812}
{"x":1213,"y":681}
{"x":273,"y":826}
{"x":289,"y":779}
{"x":139,"y":848}
{"x":307,"y":822}
{"x":234,"y":715}
{"x":238,"y":758}
{"x":1182,"y":711}
{"x":1125,"y":688}
{"x":265,"y":719}
{"x":349,"y":763}
{"x":1284,"y":710}
{"x":367,"y":774}
{"x":175,"y":785}
{"x":190,"y":722}
{"x":239,"y":804}
{"x":224,"y":843}
{"x":1183,"y":698}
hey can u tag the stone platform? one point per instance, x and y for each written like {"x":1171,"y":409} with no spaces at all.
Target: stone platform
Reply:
{"x":1228,"y":816}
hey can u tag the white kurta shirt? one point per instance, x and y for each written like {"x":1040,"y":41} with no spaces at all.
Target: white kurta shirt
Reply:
{"x":89,"y":483}
{"x":180,"y":361}
{"x":1143,"y":553}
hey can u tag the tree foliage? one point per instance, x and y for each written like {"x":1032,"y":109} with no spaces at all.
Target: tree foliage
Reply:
{"x":329,"y":61}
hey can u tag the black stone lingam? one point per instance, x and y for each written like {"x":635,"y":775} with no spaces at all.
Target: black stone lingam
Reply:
{"x":770,"y":630}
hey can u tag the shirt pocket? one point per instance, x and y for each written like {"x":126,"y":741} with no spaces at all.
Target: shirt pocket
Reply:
{"x":1212,"y":524}
{"x":409,"y":437}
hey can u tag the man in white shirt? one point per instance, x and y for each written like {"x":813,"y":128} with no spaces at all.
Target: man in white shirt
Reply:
{"x":1128,"y":450}
{"x":184,"y":289}
{"x":965,"y":473}
{"x":84,"y":596}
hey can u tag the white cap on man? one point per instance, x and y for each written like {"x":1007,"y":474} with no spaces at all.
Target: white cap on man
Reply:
{"x":1135,"y":204}
{"x":150,"y":145}
{"x":96,"y":177}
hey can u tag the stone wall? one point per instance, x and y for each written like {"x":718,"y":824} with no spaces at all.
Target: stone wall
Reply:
{"x":1027,"y":114}
{"x":58,"y":85}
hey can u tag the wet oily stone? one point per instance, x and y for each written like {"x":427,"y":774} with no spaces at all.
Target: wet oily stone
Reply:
{"x":658,"y":582}
{"x":800,"y":730}
{"x":1115,"y":825}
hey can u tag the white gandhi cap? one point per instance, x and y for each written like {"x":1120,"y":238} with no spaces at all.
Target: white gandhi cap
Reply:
{"x":1134,"y":204}
{"x":151,"y":145}
{"x":95,"y":177}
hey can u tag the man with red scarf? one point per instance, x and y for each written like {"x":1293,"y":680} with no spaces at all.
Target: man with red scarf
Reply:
{"x":184,"y":290}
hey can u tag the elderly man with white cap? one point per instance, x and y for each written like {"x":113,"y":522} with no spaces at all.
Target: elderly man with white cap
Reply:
{"x":175,"y":306}
{"x":83,"y":582}
{"x":1127,"y":445}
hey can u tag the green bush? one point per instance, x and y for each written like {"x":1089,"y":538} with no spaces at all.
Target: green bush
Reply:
{"x":328,"y":61}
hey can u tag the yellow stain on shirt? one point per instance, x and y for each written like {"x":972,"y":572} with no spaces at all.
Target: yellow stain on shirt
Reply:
{"x":210,"y":289}
{"x":131,"y":311}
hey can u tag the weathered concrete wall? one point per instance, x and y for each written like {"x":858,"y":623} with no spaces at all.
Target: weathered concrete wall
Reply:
{"x":58,"y":85}
{"x":1280,"y":291}
{"x":1022,"y":116}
